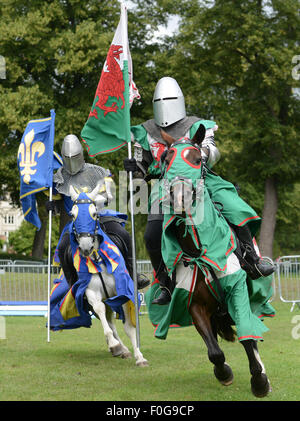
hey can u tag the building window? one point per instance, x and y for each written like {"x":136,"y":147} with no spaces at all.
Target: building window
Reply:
{"x":9,"y":219}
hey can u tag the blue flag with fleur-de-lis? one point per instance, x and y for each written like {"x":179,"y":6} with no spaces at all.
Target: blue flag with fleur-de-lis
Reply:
{"x":36,"y":163}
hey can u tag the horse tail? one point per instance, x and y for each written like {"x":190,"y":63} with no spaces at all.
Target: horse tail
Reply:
{"x":222,"y":325}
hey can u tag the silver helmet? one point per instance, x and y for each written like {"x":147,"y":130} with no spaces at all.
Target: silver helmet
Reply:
{"x":72,"y":154}
{"x":168,"y":102}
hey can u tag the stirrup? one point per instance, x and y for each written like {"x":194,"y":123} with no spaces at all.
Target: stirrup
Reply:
{"x":264,"y":270}
{"x":164,"y":297}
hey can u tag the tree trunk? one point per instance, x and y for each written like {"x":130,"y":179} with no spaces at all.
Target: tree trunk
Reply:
{"x":64,"y":217}
{"x":40,"y":236}
{"x":39,"y":241}
{"x":267,"y":229}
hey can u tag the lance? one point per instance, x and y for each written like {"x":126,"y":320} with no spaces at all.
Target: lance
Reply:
{"x":49,"y":266}
{"x":128,"y":139}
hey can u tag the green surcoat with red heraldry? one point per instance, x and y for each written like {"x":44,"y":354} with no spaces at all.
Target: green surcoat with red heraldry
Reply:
{"x":234,"y":208}
{"x":216,"y":244}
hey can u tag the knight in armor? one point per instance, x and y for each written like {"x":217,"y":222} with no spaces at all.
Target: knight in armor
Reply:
{"x":170,"y":115}
{"x":85,"y":177}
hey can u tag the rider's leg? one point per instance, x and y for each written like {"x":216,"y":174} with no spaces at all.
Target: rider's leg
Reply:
{"x":152,"y":239}
{"x":244,"y":234}
{"x":66,"y":262}
{"x":239,"y":214}
{"x":122,"y":239}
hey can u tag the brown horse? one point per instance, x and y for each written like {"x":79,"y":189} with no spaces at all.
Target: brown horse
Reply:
{"x":205,"y":309}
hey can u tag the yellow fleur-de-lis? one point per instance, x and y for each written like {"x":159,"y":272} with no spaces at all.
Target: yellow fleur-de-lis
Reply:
{"x":28,"y":151}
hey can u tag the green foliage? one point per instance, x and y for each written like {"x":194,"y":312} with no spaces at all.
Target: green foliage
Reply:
{"x":54,"y":53}
{"x":21,"y":240}
{"x":233,"y":61}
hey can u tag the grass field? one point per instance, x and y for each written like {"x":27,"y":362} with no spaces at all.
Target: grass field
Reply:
{"x":76,"y":366}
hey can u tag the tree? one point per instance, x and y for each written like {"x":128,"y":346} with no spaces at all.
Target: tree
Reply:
{"x":22,"y":239}
{"x":54,"y":53}
{"x":234,"y":61}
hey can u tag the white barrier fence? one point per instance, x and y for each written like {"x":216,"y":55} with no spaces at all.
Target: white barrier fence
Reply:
{"x":24,"y":285}
{"x":288,"y":277}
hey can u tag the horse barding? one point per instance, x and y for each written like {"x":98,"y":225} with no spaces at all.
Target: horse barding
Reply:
{"x":104,"y":287}
{"x":212,"y":290}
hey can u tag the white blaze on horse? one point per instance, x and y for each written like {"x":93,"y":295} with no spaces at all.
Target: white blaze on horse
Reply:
{"x":86,"y":228}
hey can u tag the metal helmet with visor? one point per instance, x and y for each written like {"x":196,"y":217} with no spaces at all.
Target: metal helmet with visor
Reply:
{"x":168,"y":102}
{"x":72,"y":154}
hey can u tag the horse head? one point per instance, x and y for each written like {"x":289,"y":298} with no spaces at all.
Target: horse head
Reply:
{"x":85,"y":219}
{"x":183,"y":165}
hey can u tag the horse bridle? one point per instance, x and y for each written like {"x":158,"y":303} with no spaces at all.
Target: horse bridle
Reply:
{"x":180,"y":178}
{"x":86,"y":234}
{"x":185,"y":141}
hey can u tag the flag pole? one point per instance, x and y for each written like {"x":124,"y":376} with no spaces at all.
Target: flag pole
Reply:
{"x":52,"y":112}
{"x":49,"y":265}
{"x":128,"y":138}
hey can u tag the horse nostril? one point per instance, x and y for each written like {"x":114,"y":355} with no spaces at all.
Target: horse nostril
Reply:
{"x":84,"y":252}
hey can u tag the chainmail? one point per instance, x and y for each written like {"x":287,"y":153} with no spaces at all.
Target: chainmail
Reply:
{"x":86,"y":179}
{"x":176,"y":130}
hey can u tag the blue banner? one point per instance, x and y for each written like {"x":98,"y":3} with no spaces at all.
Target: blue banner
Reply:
{"x":36,"y":163}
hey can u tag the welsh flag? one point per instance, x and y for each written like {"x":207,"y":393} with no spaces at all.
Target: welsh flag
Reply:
{"x":108,"y":126}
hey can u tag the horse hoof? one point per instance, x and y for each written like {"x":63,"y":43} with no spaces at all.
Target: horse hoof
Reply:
{"x":143,"y":363}
{"x":116,"y":350}
{"x":224,"y":374}
{"x":126,"y":355}
{"x":260,"y":385}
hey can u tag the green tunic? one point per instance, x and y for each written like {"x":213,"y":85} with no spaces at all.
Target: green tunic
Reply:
{"x":234,"y":209}
{"x":214,"y":239}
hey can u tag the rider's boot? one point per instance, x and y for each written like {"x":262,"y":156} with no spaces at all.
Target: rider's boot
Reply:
{"x":167,"y":286}
{"x":261,"y":267}
{"x":142,"y":280}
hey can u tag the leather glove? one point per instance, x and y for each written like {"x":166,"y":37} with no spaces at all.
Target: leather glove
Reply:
{"x":51,"y":206}
{"x":130,"y":165}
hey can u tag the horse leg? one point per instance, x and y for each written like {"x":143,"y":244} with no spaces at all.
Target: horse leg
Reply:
{"x":109,"y":316}
{"x":201,"y":319}
{"x":95,"y":301}
{"x":260,"y":384}
{"x":130,"y":331}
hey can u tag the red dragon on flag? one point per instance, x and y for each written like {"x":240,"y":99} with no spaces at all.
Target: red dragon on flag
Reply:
{"x":111,"y":83}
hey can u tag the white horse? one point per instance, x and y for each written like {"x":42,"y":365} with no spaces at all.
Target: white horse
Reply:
{"x":85,"y":230}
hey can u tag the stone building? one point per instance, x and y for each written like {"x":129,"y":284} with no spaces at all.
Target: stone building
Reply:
{"x":11,"y":218}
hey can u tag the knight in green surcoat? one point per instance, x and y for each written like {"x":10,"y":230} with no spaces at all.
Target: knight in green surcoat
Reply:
{"x":149,"y":148}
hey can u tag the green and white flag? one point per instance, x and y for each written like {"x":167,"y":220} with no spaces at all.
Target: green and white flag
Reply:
{"x":108,"y":126}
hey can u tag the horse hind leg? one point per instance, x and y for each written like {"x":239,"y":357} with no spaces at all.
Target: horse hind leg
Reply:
{"x":216,"y":356}
{"x":99,"y":308}
{"x":260,"y":385}
{"x":130,"y":331}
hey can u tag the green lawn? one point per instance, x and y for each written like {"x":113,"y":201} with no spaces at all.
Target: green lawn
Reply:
{"x":76,"y":365}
